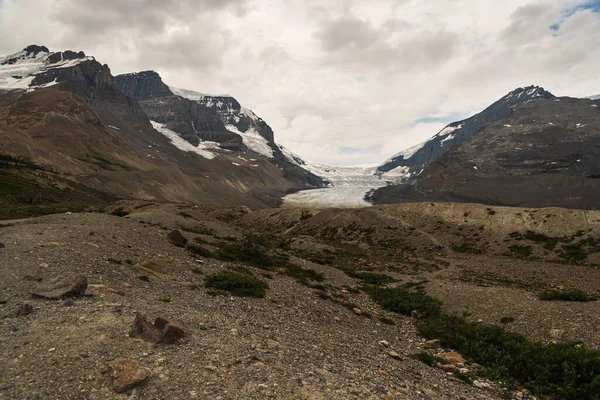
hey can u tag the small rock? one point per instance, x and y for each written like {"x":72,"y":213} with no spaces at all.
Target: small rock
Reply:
{"x":32,"y":278}
{"x":557,"y":334}
{"x":356,"y":311}
{"x":211,"y":368}
{"x":68,"y":303}
{"x":3,"y":301}
{"x":149,"y":267}
{"x":127,"y":374}
{"x":394,"y":355}
{"x":448,"y":367}
{"x":481,"y":385}
{"x":384,"y":343}
{"x":207,"y":326}
{"x":453,"y":357}
{"x":61,"y":286}
{"x":162,"y":331}
{"x":23,"y":310}
{"x":433,"y":344}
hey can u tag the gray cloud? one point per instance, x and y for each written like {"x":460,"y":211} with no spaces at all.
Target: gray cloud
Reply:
{"x":330,"y":75}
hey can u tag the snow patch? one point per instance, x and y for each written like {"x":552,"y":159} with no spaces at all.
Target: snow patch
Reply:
{"x":203,"y":148}
{"x":23,"y":68}
{"x":253,"y":141}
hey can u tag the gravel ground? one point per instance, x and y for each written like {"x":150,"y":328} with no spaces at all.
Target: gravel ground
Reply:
{"x":290,"y":345}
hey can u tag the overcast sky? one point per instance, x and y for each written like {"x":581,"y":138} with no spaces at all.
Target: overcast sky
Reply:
{"x":342,"y":82}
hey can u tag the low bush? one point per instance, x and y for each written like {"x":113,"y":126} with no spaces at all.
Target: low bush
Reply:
{"x":571,"y":295}
{"x":369,"y":278}
{"x":406,"y":299}
{"x":238,"y":284}
{"x":198,"y":250}
{"x":119,"y":212}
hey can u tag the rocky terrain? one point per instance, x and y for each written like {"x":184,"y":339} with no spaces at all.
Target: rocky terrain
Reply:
{"x":81,"y":292}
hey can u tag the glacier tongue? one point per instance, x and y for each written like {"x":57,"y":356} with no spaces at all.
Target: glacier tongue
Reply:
{"x":348,"y":186}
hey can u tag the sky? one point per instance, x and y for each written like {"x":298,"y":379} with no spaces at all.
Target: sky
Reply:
{"x":341,"y":82}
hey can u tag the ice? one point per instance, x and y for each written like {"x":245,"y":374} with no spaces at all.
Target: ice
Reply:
{"x":253,"y":141}
{"x":182,"y":144}
{"x":348,"y":186}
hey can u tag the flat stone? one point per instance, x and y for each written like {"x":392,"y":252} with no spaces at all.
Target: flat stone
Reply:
{"x":395,"y":355}
{"x":384,"y":343}
{"x":61,"y":287}
{"x":433,"y":344}
{"x":127,"y":374}
{"x":149,"y":267}
{"x":68,"y":303}
{"x":356,"y":311}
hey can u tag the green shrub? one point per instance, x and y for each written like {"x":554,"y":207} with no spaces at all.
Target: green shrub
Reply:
{"x":571,"y":295}
{"x":369,"y":278}
{"x":237,"y":284}
{"x":303,"y":275}
{"x":427,"y":358}
{"x":561,"y":371}
{"x":305,"y":215}
{"x":406,"y":299}
{"x":387,"y":321}
{"x":198,"y":250}
{"x":521,"y":251}
{"x":119,"y":212}
{"x":249,"y":249}
{"x":507,"y":320}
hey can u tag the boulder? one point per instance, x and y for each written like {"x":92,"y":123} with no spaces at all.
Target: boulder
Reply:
{"x":162,"y":331}
{"x":61,"y":287}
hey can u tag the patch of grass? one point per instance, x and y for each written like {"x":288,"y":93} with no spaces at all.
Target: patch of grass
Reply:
{"x":129,"y":262}
{"x":426,"y":358}
{"x":237,"y":284}
{"x":369,"y":278}
{"x":521,"y":251}
{"x":463,"y":377}
{"x":507,"y":320}
{"x":387,"y":321}
{"x":119,"y":212}
{"x":250,"y":249}
{"x":468,"y":248}
{"x":198,"y":250}
{"x":301,"y":274}
{"x":305,"y":215}
{"x":570,"y":295}
{"x":199,"y":229}
{"x":114,"y":261}
{"x":559,"y":371}
{"x":408,"y":299}
{"x":242,"y":270}
{"x":185,"y":215}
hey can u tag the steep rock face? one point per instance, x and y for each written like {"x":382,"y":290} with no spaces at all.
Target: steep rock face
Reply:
{"x":414,"y":160}
{"x":546,"y":153}
{"x":144,"y":85}
{"x":191,"y":120}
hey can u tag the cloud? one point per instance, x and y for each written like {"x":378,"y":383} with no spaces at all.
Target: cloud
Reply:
{"x":340,"y":81}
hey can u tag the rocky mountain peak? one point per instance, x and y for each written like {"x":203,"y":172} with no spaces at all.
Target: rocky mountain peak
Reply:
{"x":409,"y":164}
{"x":143,"y":85}
{"x":35,"y":49}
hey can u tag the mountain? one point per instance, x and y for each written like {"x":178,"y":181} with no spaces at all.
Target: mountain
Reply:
{"x":410,"y":163}
{"x":64,"y":113}
{"x":200,"y":118}
{"x":544,"y":153}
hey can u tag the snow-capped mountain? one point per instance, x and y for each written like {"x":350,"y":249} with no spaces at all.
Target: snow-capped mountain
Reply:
{"x":409,"y":164}
{"x":25,"y":69}
{"x":132,"y":137}
{"x":209,"y":123}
